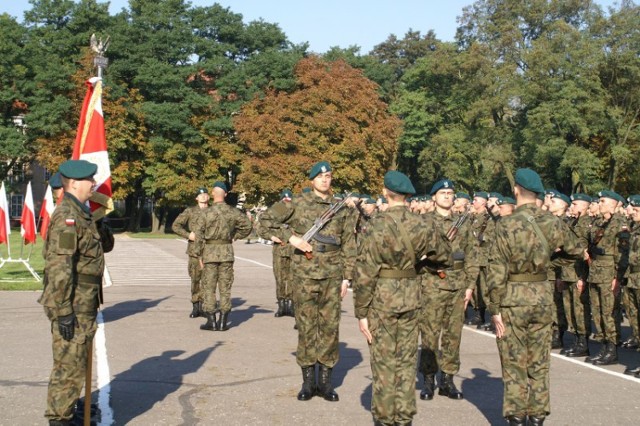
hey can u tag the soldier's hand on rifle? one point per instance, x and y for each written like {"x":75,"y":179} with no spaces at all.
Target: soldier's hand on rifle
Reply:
{"x":343,"y":289}
{"x":300,"y":244}
{"x":364,"y":329}
{"x":276,"y":239}
{"x":468,"y":294}
{"x":615,"y":286}
{"x":586,"y":256}
{"x":580,"y":286}
{"x":67,"y":325}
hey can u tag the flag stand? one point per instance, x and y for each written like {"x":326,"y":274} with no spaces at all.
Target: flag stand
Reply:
{"x":26,"y":264}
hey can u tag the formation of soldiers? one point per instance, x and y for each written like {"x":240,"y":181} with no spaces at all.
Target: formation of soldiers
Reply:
{"x":422,"y":266}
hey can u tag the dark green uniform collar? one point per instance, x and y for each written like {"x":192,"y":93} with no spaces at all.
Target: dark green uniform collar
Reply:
{"x":83,"y":207}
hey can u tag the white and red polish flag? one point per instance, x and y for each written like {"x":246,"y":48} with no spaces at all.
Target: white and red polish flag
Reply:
{"x":91,"y":145}
{"x":48,"y":206}
{"x":28,"y":219}
{"x":5,"y":228}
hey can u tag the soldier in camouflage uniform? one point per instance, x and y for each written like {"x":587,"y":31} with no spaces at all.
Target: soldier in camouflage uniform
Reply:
{"x":604,"y":282}
{"x":521,"y":301}
{"x":629,"y":295}
{"x":446,"y":291}
{"x":215,"y":231}
{"x":320,"y":282}
{"x":184,"y":226}
{"x":282,"y":253}
{"x":387,"y":298}
{"x":74,"y":264}
{"x":633,"y":285}
{"x":574,"y":276}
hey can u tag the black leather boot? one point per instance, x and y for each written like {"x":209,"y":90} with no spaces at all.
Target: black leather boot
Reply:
{"x":426,"y":394}
{"x":281,"y":308}
{"x":211,"y":321}
{"x":308,"y":383}
{"x":571,"y":348}
{"x":517,"y":420}
{"x":475,"y":318}
{"x":536,"y":420}
{"x":597,"y":356}
{"x":290,"y":309}
{"x":630,"y":343}
{"x":610,"y":355}
{"x":580,"y":349}
{"x":448,"y":388}
{"x":195,"y":312}
{"x":632,"y":371}
{"x":556,"y":340}
{"x":222,"y":321}
{"x":325,"y":388}
{"x":59,"y":422}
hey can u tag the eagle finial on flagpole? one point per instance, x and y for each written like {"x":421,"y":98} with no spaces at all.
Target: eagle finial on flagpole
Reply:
{"x":99,"y":47}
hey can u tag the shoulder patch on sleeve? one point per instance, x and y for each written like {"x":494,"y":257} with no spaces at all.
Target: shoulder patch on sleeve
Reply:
{"x":67,"y":241}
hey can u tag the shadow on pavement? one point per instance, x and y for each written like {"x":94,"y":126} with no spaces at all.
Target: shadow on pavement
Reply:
{"x":349,"y":358}
{"x":485,"y":392}
{"x":238,"y":316}
{"x":137,"y":390}
{"x":365,"y":397}
{"x":130,"y":307}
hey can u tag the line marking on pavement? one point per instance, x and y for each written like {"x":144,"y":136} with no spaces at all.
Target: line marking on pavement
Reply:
{"x":572,"y":360}
{"x":103,"y":376}
{"x":253,"y":261}
{"x":107,"y":277}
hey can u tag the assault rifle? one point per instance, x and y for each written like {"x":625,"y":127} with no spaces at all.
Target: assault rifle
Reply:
{"x":314,"y":232}
{"x":453,"y":231}
{"x":593,"y":248}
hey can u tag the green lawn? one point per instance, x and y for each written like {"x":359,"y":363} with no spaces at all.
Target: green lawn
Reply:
{"x":15,"y":276}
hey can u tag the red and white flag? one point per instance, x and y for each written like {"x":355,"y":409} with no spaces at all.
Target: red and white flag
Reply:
{"x":28,"y":219}
{"x":5,"y":229}
{"x":48,"y":206}
{"x":91,"y":145}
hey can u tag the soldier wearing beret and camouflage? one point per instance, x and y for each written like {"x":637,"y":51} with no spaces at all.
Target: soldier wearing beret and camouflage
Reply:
{"x":215,"y":231}
{"x":604,"y":278}
{"x":282,"y":253}
{"x":321,"y":273}
{"x":74,"y":264}
{"x":185,"y":225}
{"x":521,"y":300}
{"x":387,"y":298}
{"x":633,"y":285}
{"x":446,"y":291}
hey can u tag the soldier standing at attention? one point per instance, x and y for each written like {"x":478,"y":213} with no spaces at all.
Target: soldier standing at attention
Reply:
{"x":604,"y":282}
{"x":521,"y":300}
{"x":446,"y":291}
{"x":633,"y":284}
{"x":387,"y":298}
{"x":282,"y":253}
{"x":74,"y":264}
{"x":184,"y":226}
{"x":321,"y":281}
{"x":215,"y":231}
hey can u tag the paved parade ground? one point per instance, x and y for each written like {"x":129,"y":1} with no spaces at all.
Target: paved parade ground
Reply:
{"x":154,"y":366}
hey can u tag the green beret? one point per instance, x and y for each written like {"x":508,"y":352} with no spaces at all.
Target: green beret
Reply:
{"x":55,"y":181}
{"x":441,"y":184}
{"x":581,"y":197}
{"x":398,"y":182}
{"x":463,"y":195}
{"x":320,"y":167}
{"x":529,"y":180}
{"x":201,"y":191}
{"x":481,"y":194}
{"x":505,"y":200}
{"x":78,"y":169}
{"x":540,"y":196}
{"x":560,"y":195}
{"x":611,"y":194}
{"x":495,"y":195}
{"x":221,"y":185}
{"x":549,"y":191}
{"x":286,"y":194}
{"x":634,"y":200}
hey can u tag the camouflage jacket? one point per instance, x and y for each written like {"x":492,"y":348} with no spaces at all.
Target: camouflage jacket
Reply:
{"x":296,"y":218}
{"x":481,"y":229}
{"x":216,"y":229}
{"x":74,"y":261}
{"x":603,"y":267}
{"x":185,"y":223}
{"x":634,"y":257}
{"x":517,"y":250}
{"x":455,"y":267}
{"x":383,"y":247}
{"x":284,"y":249}
{"x":570,"y":268}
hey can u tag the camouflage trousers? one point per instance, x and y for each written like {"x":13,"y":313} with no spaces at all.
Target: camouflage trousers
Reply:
{"x":282,"y":274}
{"x":559,"y":314}
{"x":217,"y":277}
{"x":480,"y":293}
{"x":441,"y":319}
{"x":525,"y":357}
{"x":317,"y":310}
{"x":631,"y":301}
{"x":577,"y":309}
{"x":394,"y":351}
{"x":603,"y":309}
{"x":69,"y":366}
{"x":195,"y":273}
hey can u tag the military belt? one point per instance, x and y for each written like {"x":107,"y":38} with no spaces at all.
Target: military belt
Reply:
{"x":220,"y":242}
{"x":397,"y":273}
{"x":522,"y":278}
{"x":321,"y":248}
{"x":456,"y":266}
{"x":89,"y":279}
{"x":603,"y":255}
